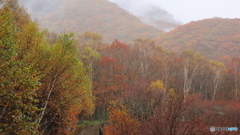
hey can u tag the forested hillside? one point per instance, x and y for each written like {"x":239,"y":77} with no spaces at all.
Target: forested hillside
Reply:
{"x":44,"y":87}
{"x":214,"y":38}
{"x":60,"y":83}
{"x":99,"y":16}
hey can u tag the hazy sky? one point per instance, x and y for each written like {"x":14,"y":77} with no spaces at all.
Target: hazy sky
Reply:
{"x":187,"y":10}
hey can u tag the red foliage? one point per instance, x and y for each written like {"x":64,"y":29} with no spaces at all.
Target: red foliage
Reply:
{"x":118,"y":45}
{"x":106,"y":61}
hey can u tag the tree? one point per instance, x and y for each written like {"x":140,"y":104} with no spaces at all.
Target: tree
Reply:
{"x":19,"y":82}
{"x":190,"y":67}
{"x":89,"y":39}
{"x":121,"y":122}
{"x":145,"y":48}
{"x":110,"y":83}
{"x":89,"y":58}
{"x":21,"y":16}
{"x":66,"y":93}
{"x":236,"y":65}
{"x":174,"y":116}
{"x":218,"y":70}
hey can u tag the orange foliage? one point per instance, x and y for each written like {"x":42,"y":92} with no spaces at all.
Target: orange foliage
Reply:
{"x":213,"y":38}
{"x":98,"y":16}
{"x":121,"y":123}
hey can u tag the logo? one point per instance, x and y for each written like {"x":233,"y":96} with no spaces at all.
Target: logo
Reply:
{"x":212,"y":128}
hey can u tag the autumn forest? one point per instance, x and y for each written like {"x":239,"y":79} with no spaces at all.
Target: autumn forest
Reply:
{"x":180,"y":82}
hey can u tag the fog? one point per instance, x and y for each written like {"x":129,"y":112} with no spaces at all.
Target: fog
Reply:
{"x":151,"y":11}
{"x":145,"y":9}
{"x":186,"y":10}
{"x":38,"y":8}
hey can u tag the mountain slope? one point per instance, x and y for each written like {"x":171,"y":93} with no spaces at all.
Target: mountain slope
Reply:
{"x":213,"y":38}
{"x":99,"y":16}
{"x":149,"y":13}
{"x":159,"y":24}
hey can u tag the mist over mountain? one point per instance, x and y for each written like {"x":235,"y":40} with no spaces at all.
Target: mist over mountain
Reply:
{"x":149,"y":13}
{"x":159,"y":18}
{"x":41,"y":7}
{"x":98,"y":16}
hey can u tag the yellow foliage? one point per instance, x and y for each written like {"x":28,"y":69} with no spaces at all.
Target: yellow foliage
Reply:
{"x":157,"y":85}
{"x":172,"y":93}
